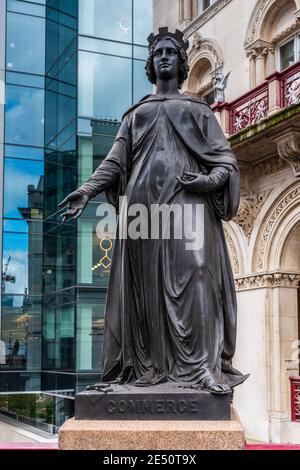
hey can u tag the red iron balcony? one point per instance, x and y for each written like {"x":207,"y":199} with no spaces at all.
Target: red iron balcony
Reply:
{"x":295,"y":398}
{"x":280,"y":90}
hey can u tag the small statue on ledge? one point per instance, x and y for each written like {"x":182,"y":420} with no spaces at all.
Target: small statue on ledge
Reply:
{"x":220,"y":84}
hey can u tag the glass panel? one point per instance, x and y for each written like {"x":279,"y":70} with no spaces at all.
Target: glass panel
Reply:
{"x":143,"y":20}
{"x":89,"y":335}
{"x":48,"y":338}
{"x":142,"y":86}
{"x":140,"y":52}
{"x":21,"y":331}
{"x":65,"y":338}
{"x":22,"y":260}
{"x":287,"y":54}
{"x":26,"y":8}
{"x":61,"y":110}
{"x":12,"y":225}
{"x":105,"y":86}
{"x":110,"y":20}
{"x":23,"y":188}
{"x":25,"y":43}
{"x":19,"y":381}
{"x":105,"y":47}
{"x":95,"y":248}
{"x":24,"y":117}
{"x":61,"y":46}
{"x":70,"y":8}
{"x":59,"y":260}
{"x":24,"y":152}
{"x":16,"y":78}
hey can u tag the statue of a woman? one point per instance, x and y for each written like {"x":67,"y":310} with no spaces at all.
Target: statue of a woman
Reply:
{"x":170,"y":312}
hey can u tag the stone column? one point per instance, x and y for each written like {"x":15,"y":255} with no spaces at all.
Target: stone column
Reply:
{"x":187,"y":10}
{"x":252,"y":58}
{"x":262,"y":61}
{"x":260,"y":66}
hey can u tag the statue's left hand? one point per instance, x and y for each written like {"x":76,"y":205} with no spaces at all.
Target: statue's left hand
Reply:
{"x":202,"y":182}
{"x":193,"y":182}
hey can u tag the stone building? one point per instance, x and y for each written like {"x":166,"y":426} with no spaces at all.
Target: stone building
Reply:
{"x":258,"y":42}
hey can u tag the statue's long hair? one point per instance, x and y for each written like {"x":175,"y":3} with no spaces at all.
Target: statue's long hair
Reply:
{"x":183,"y":62}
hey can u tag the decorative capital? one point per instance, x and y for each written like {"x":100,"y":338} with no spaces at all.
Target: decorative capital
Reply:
{"x":273,"y":279}
{"x":259,"y":48}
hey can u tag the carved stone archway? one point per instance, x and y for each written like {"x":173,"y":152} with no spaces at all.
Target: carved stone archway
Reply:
{"x":280,"y":219}
{"x":204,"y":52}
{"x":260,"y":44}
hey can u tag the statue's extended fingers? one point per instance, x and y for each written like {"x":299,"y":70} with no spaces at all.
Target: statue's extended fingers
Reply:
{"x":78,"y":214}
{"x":65,"y":217}
{"x":64,"y":202}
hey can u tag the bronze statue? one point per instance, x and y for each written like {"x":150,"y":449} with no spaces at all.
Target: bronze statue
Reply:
{"x":170,"y":312}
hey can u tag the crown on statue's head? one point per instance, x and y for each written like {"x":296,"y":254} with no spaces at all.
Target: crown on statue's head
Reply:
{"x":163,"y":32}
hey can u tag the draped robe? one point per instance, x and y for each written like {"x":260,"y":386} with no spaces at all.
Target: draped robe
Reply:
{"x":170,"y":312}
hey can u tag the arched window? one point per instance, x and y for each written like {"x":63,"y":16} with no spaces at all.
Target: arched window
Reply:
{"x":273,"y":38}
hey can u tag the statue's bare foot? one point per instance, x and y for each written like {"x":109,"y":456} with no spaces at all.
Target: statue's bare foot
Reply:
{"x":211,"y":385}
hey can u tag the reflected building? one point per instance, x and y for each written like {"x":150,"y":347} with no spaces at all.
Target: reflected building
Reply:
{"x":71,"y":68}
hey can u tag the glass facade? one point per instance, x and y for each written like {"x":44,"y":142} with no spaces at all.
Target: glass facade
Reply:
{"x":72,"y":68}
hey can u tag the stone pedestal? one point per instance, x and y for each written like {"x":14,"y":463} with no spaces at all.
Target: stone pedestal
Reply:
{"x":152,"y":435}
{"x":163,"y":402}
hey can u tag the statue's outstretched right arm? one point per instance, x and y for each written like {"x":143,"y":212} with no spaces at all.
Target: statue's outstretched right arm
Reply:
{"x":112,"y":168}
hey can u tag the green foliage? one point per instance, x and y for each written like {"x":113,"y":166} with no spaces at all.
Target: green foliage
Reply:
{"x":30,"y":406}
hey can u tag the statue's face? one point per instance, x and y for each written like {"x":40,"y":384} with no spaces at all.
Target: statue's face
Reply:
{"x":166,"y":60}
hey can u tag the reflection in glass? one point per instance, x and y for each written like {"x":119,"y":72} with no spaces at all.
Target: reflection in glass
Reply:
{"x":58,"y":338}
{"x":24,"y":117}
{"x":287,"y":54}
{"x":23,"y":188}
{"x":105,"y":47}
{"x":26,"y":8}
{"x":143,"y":20}
{"x":105,"y":86}
{"x":21,"y":332}
{"x":89,"y":335}
{"x":141,"y":84}
{"x":25,"y":43}
{"x":110,"y":20}
{"x":22,"y":257}
{"x":17,"y":151}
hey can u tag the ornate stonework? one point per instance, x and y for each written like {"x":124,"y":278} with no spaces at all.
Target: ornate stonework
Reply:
{"x":255,"y":20}
{"x":288,"y":146}
{"x":250,"y":206}
{"x":267,"y":167}
{"x":290,"y":198}
{"x":206,"y":48}
{"x":276,"y":279}
{"x":260,"y":48}
{"x":233,"y":252}
{"x":205,"y":16}
{"x":260,"y":9}
{"x":292,"y":28}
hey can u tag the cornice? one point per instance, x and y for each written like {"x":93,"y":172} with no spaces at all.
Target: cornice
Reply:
{"x":204,"y":17}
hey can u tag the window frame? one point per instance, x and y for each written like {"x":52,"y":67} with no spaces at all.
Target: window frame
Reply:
{"x":296,"y":38}
{"x":201,"y":8}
